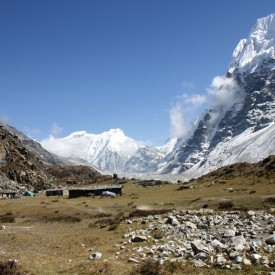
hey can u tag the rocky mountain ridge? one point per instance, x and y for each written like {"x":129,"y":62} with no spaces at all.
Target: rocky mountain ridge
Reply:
{"x":19,"y":168}
{"x":35,"y":147}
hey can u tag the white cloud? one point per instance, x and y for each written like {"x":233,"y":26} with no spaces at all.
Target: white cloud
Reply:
{"x":4,"y":119}
{"x":58,"y":146}
{"x":182,"y":114}
{"x":225,"y":92}
{"x":179,"y":127}
{"x":221,"y":96}
{"x":195,"y":100}
{"x":56,"y":129}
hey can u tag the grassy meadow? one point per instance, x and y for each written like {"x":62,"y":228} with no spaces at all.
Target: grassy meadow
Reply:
{"x":56,"y":235}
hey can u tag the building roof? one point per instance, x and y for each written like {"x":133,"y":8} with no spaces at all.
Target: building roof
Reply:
{"x":8,"y":192}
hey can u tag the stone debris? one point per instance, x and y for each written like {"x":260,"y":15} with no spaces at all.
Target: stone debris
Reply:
{"x":226,"y":239}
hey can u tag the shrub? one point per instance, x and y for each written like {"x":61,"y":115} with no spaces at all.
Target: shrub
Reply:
{"x":157,"y":234}
{"x":7,"y":219}
{"x":9,"y":213}
{"x":113,"y":227}
{"x":270,"y":200}
{"x":67,"y":219}
{"x":101,"y":215}
{"x":148,"y":267}
{"x":10,"y":268}
{"x":225,"y":205}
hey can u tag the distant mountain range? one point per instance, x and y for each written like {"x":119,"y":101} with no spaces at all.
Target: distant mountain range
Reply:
{"x":238,"y":129}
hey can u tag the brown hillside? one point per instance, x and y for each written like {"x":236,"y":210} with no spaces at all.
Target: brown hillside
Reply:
{"x":261,"y":171}
{"x":21,"y":166}
{"x":77,"y":174}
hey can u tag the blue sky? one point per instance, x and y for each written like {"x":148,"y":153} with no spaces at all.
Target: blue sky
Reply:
{"x":95,"y":65}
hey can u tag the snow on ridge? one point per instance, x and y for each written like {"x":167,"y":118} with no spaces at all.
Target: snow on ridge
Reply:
{"x":246,"y":147}
{"x":168,"y":147}
{"x":259,"y":46}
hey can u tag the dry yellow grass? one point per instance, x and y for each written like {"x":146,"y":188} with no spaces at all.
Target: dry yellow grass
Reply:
{"x":47,"y":241}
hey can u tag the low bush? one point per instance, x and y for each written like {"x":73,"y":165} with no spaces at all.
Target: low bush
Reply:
{"x":270,"y":200}
{"x":225,"y":205}
{"x":101,"y":215}
{"x":148,"y":267}
{"x":157,"y":234}
{"x":10,"y":268}
{"x":67,"y":219}
{"x":7,"y":219}
{"x":113,"y":227}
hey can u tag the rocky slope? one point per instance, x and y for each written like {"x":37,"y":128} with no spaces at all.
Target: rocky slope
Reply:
{"x":263,"y":171}
{"x":20,"y":168}
{"x":35,"y":147}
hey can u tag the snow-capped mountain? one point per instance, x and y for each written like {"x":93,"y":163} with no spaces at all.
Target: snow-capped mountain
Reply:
{"x":108,"y":151}
{"x":241,"y":128}
{"x":111,"y":151}
{"x":238,"y":126}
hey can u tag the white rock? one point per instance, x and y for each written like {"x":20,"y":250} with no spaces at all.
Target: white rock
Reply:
{"x":95,"y":256}
{"x":239,"y":259}
{"x":229,"y":233}
{"x":246,"y":261}
{"x":198,"y":247}
{"x":251,"y":213}
{"x":256,"y":258}
{"x":191,"y":225}
{"x":220,"y":260}
{"x":217,"y":244}
{"x":133,"y":260}
{"x":172,"y":220}
{"x":199,"y":263}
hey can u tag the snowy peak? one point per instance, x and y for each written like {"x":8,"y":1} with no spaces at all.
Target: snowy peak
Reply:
{"x":259,"y":46}
{"x":77,"y":134}
{"x":240,"y":128}
{"x":108,"y":151}
{"x":115,"y":140}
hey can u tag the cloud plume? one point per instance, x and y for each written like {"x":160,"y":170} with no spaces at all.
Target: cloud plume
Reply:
{"x":183,"y":109}
{"x":222,"y":94}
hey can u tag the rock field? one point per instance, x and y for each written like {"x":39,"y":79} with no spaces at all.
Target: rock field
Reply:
{"x":204,"y":237}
